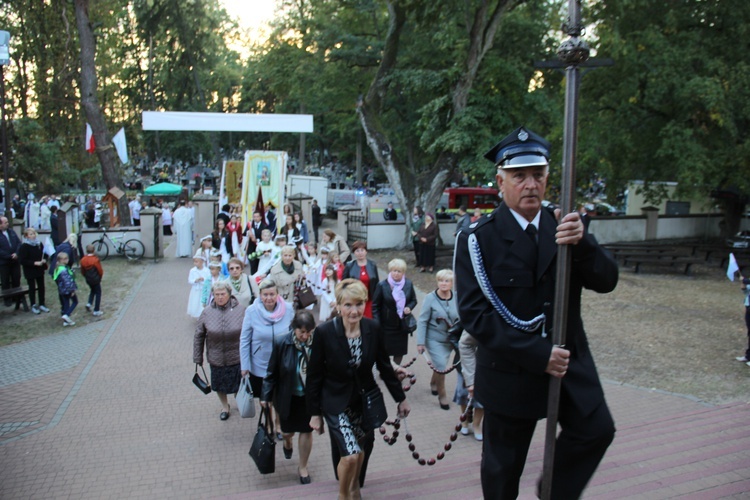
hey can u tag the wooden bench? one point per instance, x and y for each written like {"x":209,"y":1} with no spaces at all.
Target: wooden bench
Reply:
{"x":16,"y":294}
{"x":674,"y":261}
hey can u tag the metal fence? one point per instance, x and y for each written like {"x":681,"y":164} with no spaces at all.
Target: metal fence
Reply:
{"x":356,"y":228}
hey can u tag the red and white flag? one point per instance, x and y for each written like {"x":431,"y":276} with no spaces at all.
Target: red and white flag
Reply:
{"x":90,"y":145}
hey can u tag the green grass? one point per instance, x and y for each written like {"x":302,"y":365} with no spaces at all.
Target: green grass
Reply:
{"x":119,"y":277}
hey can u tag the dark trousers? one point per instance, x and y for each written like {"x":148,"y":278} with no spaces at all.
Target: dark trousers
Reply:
{"x":10,"y":277}
{"x":747,"y":323}
{"x":580,"y":447}
{"x":68,"y":304}
{"x":95,"y":296}
{"x":136,"y":222}
{"x":416,"y":250}
{"x":315,"y":233}
{"x":36,"y":285}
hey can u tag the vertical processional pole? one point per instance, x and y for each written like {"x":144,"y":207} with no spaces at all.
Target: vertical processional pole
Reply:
{"x":572,"y":52}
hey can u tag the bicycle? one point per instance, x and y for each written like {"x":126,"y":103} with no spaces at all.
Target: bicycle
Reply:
{"x":132,"y":249}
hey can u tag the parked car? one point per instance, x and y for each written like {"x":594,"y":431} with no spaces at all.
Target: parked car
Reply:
{"x":739,"y":240}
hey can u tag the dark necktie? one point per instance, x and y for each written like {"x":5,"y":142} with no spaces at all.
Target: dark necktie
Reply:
{"x":531,"y":231}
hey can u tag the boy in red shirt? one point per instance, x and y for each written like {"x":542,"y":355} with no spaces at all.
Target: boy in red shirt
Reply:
{"x":91,"y":268}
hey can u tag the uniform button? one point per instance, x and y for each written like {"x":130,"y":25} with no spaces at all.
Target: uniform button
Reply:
{"x":511,"y":280}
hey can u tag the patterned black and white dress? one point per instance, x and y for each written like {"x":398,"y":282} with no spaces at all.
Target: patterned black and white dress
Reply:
{"x":346,"y":427}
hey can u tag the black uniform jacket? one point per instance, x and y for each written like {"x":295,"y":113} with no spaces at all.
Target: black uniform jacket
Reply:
{"x":510,"y":377}
{"x":331,"y":382}
{"x":281,"y":378}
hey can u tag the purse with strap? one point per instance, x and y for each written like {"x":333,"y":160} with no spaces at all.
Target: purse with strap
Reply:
{"x":263,"y":449}
{"x":201,"y":383}
{"x":244,"y":398}
{"x":303,"y":294}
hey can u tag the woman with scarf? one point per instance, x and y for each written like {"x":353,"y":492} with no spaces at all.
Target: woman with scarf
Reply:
{"x":34,"y":262}
{"x":285,"y":386}
{"x":265,"y":320}
{"x":286,"y":273}
{"x":241,"y":285}
{"x":394,"y":299}
{"x":364,"y":270}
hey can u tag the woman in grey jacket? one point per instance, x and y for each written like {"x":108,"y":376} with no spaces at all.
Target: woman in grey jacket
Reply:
{"x":266,"y":319}
{"x":218,"y":329}
{"x":438,"y":314}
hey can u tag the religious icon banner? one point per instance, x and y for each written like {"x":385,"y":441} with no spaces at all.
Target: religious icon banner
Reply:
{"x":264,"y":171}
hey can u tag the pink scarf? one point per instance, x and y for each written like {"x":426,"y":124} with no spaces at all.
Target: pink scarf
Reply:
{"x":278,"y":311}
{"x":397,"y":290}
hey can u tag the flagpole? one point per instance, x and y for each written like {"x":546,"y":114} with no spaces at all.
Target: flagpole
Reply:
{"x":573,"y":52}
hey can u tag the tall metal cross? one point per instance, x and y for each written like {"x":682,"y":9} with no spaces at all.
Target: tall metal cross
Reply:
{"x":573,"y":54}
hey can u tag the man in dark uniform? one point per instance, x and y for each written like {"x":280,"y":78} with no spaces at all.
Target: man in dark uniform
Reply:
{"x":508,"y":308}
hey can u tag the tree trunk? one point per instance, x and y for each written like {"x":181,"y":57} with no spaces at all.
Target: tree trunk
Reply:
{"x":411,"y":185}
{"x":105,"y":151}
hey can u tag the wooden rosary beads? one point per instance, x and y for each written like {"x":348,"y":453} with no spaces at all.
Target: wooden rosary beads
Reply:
{"x":441,"y":372}
{"x":391,"y":440}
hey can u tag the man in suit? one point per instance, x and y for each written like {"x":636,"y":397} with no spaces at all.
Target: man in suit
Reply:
{"x":252,"y":233}
{"x":10,"y":268}
{"x":508,"y":306}
{"x":317,"y":219}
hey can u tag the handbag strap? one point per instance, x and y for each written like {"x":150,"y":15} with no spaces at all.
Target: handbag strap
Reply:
{"x":203,"y":370}
{"x":267,"y":421}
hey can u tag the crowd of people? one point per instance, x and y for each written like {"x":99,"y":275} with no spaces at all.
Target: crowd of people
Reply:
{"x":308,"y":363}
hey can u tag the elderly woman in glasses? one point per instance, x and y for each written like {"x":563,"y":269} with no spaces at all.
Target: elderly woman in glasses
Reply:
{"x":218,"y":330}
{"x":241,"y":287}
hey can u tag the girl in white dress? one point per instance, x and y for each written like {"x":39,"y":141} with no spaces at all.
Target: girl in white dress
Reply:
{"x":197,"y":276}
{"x":328,"y":299}
{"x":269,"y":253}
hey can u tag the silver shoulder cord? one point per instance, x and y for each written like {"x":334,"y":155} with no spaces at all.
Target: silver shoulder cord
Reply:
{"x":484,"y":283}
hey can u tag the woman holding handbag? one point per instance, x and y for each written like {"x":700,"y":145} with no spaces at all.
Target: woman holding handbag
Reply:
{"x":284,"y":384}
{"x":340,"y":375}
{"x":393,"y":303}
{"x":439,"y":313}
{"x":286,"y":273}
{"x":265,"y":320}
{"x":218,"y":330}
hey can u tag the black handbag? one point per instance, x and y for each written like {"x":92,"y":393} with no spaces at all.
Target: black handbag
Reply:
{"x":199,"y":382}
{"x":410,"y":323}
{"x":374,"y":413}
{"x":263,"y":449}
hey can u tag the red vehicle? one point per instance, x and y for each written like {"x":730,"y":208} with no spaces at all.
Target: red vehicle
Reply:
{"x":471,"y":197}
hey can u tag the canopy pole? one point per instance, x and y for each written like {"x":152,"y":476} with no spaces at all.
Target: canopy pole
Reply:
{"x":572,"y":52}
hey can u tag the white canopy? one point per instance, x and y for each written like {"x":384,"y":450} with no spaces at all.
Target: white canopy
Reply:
{"x":224,"y":122}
